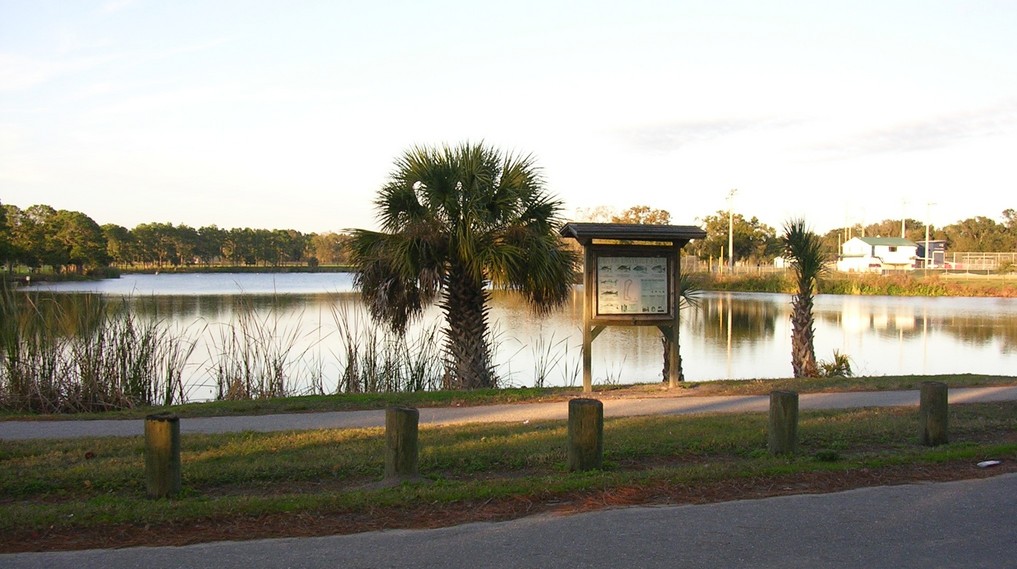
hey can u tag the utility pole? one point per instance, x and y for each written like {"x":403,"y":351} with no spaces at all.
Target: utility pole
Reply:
{"x":903,"y":218}
{"x":730,"y":229}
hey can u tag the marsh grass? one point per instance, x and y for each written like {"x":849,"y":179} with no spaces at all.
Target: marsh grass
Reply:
{"x":90,"y":354}
{"x":253,"y":356}
{"x":547,"y":354}
{"x":898,"y":284}
{"x":613,"y":372}
{"x":86,"y":482}
{"x":571,"y":367}
{"x":84,"y":354}
{"x":374,"y":359}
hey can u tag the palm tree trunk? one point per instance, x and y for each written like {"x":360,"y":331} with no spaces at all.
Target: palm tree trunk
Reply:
{"x":666,"y":344}
{"x":803,"y":353}
{"x":467,"y":352}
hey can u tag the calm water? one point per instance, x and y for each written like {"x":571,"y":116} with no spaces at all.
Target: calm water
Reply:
{"x":729,"y":335}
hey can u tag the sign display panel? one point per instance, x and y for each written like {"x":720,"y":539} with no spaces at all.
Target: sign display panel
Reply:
{"x":629,"y":285}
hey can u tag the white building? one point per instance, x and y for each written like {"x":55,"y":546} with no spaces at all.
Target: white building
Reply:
{"x":877,"y":254}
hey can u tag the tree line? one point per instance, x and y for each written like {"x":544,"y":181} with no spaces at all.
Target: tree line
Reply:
{"x":70,"y":241}
{"x":41,"y":236}
{"x":755,"y":242}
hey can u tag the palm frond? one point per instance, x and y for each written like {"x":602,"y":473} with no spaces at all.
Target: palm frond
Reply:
{"x":804,"y":250}
{"x":454,"y":218}
{"x":689,"y":290}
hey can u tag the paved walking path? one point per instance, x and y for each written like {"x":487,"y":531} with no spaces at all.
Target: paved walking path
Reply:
{"x":15,"y":430}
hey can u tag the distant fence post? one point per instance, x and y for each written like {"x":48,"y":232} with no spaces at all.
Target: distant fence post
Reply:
{"x":933,"y":412}
{"x":586,"y":434}
{"x":162,"y":455}
{"x":782,"y":435}
{"x":401,"y":451}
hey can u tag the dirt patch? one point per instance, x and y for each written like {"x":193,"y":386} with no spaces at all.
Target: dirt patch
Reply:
{"x":338,"y":523}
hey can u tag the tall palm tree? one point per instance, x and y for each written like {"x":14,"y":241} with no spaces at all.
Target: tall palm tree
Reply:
{"x":454,"y":220}
{"x":804,"y":250}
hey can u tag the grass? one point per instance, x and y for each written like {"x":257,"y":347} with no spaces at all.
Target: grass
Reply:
{"x":97,"y":484}
{"x":902,"y":284}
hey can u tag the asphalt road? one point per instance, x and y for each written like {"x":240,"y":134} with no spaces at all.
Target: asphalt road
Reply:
{"x":968,"y":524}
{"x":15,"y":430}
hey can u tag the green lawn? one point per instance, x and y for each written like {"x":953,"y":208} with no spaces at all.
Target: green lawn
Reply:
{"x":97,"y":485}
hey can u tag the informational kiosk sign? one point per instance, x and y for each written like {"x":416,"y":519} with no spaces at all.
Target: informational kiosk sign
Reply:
{"x":628,"y":285}
{"x":630,"y":278}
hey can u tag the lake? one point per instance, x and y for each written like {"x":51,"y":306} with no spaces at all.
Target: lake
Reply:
{"x":728,"y":335}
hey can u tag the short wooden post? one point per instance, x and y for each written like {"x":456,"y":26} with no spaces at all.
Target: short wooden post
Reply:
{"x":783,"y":427}
{"x":401,"y":426}
{"x":586,"y":434}
{"x":162,"y":455}
{"x":932,"y":413}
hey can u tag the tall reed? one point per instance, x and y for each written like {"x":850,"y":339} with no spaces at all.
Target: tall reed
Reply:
{"x":75,"y":353}
{"x":374,"y":359}
{"x":254,"y":357}
{"x":548,"y":355}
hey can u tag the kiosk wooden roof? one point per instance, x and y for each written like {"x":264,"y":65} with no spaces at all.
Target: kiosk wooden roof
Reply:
{"x":585,"y":233}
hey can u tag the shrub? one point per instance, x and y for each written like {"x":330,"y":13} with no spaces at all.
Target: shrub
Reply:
{"x":839,"y":366}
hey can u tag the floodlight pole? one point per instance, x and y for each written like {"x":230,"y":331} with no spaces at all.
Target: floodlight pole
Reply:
{"x":730,"y":229}
{"x":903,"y":218}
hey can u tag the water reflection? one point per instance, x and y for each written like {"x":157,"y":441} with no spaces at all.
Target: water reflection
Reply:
{"x":223,"y":306}
{"x":728,"y":335}
{"x":972,"y":321}
{"x":739,"y":319}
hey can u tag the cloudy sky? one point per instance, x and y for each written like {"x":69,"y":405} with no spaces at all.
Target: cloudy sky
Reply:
{"x":290,"y":114}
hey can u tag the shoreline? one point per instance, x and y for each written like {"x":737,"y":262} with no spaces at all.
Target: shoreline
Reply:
{"x":911,"y":284}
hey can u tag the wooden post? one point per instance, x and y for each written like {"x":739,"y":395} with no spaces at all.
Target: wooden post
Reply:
{"x":589,"y":285}
{"x":586,"y":434}
{"x":675,"y":300}
{"x":162,"y":455}
{"x":401,"y":425}
{"x":783,"y":424}
{"x":932,"y":413}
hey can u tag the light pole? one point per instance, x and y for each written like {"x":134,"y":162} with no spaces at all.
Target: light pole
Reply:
{"x":903,"y":218}
{"x":730,"y":229}
{"x":928,"y":207}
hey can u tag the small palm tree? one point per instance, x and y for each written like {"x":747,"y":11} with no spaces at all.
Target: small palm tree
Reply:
{"x":804,"y":250}
{"x":688,"y":296}
{"x":453,"y":221}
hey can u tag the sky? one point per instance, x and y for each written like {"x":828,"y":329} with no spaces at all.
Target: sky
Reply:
{"x":273,"y":115}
